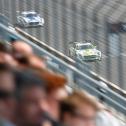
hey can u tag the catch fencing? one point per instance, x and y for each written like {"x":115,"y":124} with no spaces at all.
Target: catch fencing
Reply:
{"x":101,"y":21}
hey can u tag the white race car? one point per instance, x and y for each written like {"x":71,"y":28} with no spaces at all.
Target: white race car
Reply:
{"x":84,"y":51}
{"x":29,"y":18}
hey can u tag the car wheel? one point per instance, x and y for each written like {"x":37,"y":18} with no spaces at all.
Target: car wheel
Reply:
{"x":18,"y":23}
{"x":100,"y":58}
{"x":24,"y":24}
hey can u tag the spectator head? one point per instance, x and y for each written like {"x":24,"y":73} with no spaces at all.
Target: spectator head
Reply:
{"x":36,"y":62}
{"x":78,"y":109}
{"x":22,"y":48}
{"x":8,"y":59}
{"x":7,"y":89}
{"x":32,"y":61}
{"x":56,"y":91}
{"x":23,"y":54}
{"x":5,"y":55}
{"x":31,"y":98}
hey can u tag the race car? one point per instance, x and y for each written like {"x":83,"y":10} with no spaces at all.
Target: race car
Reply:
{"x":29,"y":18}
{"x":84,"y":51}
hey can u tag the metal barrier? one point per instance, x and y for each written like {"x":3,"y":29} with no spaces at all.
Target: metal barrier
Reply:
{"x":82,"y":80}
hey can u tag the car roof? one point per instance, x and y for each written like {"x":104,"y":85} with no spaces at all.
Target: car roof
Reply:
{"x":28,"y":12}
{"x":80,"y":44}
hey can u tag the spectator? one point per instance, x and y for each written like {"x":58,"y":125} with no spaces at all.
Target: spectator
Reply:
{"x":23,"y":53}
{"x":79,"y":109}
{"x":22,"y":48}
{"x":7,"y":99}
{"x":32,"y":61}
{"x":42,"y":97}
{"x":36,"y":62}
{"x":5,"y":55}
{"x":31,"y":99}
{"x":56,"y":91}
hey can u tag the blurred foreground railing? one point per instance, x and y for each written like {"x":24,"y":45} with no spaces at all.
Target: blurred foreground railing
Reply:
{"x":78,"y":77}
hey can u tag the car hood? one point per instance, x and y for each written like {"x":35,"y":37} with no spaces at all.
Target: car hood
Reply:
{"x":88,"y":52}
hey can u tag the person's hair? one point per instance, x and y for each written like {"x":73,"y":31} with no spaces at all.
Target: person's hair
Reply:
{"x":54,"y":80}
{"x":72,"y":102}
{"x":27,"y":79}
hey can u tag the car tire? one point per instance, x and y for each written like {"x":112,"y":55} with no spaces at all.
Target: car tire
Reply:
{"x":100,"y":58}
{"x":24,"y":24}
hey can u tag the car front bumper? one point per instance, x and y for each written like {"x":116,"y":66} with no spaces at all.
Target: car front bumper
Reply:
{"x":90,"y":58}
{"x":35,"y":24}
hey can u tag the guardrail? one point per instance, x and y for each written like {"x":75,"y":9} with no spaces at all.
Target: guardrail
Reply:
{"x":82,"y":80}
{"x":70,"y":61}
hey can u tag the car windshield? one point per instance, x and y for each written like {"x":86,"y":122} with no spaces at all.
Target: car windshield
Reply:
{"x":83,"y":47}
{"x":31,"y":15}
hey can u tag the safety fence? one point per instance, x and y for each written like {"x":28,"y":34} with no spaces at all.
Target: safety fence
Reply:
{"x":101,"y":21}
